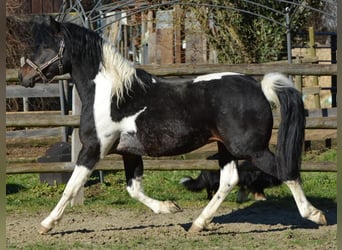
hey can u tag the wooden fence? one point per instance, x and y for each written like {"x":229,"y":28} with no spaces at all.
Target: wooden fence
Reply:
{"x":320,"y":125}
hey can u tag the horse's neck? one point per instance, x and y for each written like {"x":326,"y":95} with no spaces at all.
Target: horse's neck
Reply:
{"x":85,"y":90}
{"x":83,"y":72}
{"x":105,"y":60}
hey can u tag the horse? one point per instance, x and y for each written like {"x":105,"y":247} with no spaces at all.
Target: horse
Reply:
{"x":127,"y":111}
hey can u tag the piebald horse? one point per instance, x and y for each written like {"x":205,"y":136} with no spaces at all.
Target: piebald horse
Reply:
{"x":130,"y":112}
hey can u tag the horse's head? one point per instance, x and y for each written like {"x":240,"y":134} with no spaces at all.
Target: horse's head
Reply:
{"x":49,"y":56}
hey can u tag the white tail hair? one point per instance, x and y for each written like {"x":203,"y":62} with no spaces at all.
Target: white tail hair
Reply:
{"x":273,"y":81}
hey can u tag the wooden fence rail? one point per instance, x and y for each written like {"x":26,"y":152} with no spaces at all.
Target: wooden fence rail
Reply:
{"x":46,"y":119}
{"x":199,"y":69}
{"x":160,"y":164}
{"x":250,"y":69}
{"x":40,"y":90}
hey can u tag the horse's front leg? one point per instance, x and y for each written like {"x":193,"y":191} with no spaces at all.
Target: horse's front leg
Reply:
{"x":134,"y":173}
{"x":87,"y":159}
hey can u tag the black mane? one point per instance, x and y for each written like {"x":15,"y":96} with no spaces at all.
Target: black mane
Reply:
{"x":84,"y":45}
{"x":84,"y":42}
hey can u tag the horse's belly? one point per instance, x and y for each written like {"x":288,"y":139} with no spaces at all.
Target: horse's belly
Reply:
{"x":172,"y":144}
{"x":130,"y":143}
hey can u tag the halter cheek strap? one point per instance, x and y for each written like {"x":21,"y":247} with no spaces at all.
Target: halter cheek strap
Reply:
{"x":39,"y":68}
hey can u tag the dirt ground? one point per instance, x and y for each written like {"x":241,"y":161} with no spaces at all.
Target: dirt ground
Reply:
{"x":258,"y":226}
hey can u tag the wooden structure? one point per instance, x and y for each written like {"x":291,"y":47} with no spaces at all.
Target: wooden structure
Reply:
{"x":41,"y":6}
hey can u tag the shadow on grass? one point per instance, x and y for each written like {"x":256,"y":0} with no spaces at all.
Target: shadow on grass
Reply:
{"x":14,"y":188}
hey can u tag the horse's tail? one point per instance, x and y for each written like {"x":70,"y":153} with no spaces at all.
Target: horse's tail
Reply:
{"x":194,"y":185}
{"x":206,"y":180}
{"x":279,"y":90}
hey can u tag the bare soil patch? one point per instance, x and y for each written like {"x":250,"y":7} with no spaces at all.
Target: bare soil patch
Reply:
{"x":263,"y":224}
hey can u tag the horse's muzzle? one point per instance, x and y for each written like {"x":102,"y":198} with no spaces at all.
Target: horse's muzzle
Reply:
{"x":27,"y":80}
{"x":26,"y":75}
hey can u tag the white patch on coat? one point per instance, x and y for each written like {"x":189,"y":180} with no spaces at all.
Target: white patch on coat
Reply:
{"x":107,"y":130}
{"x":214,"y":76}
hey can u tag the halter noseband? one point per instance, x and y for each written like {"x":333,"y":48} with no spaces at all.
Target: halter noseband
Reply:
{"x":40,"y":68}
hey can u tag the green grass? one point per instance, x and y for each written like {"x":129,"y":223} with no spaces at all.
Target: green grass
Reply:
{"x":25,"y":192}
{"x":320,"y":155}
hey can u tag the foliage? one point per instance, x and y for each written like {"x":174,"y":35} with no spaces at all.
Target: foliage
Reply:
{"x":13,"y":41}
{"x":241,"y":31}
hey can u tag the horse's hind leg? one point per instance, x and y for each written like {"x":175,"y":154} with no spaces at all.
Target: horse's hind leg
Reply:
{"x":266,"y":162}
{"x":134,"y":173}
{"x":305,"y":208}
{"x":228,"y":179}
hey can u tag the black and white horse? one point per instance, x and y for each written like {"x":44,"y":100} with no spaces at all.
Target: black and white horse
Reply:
{"x":132,"y":113}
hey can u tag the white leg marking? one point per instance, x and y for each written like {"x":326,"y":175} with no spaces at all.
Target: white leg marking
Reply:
{"x":136,"y":192}
{"x":228,"y":179}
{"x":305,"y":208}
{"x":76,"y":181}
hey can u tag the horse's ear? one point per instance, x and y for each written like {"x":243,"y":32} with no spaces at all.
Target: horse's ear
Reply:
{"x":47,"y":20}
{"x":54,"y":24}
{"x":39,"y":19}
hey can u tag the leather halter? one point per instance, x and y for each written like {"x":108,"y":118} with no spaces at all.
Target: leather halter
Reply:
{"x":40,"y":68}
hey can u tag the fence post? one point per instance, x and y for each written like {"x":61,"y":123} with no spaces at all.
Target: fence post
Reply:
{"x":63,"y":108}
{"x":26,"y":104}
{"x":76,"y":143}
{"x":312,"y":51}
{"x":298,"y":78}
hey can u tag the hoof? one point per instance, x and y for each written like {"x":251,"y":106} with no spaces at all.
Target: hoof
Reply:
{"x":259,"y":196}
{"x":172,"y":207}
{"x":321,"y":219}
{"x":43,"y":230}
{"x":318,"y":217}
{"x":194,"y":229}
